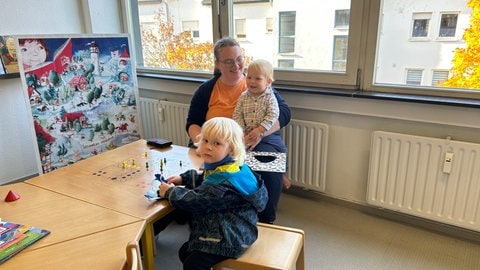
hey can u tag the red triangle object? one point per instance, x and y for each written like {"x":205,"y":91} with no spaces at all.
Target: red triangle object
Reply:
{"x":12,"y":196}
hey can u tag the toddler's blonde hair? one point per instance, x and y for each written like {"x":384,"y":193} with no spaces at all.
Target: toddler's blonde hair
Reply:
{"x":264,"y":66}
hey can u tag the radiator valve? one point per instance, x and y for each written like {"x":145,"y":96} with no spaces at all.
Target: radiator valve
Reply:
{"x":447,"y":162}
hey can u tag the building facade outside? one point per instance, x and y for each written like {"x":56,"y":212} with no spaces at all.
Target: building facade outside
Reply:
{"x":415,"y":42}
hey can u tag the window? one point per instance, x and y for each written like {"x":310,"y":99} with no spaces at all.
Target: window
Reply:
{"x":339,"y":53}
{"x":370,"y":45}
{"x":240,"y":28}
{"x":421,"y":23}
{"x":269,"y":25}
{"x":286,"y":63}
{"x":439,"y":76}
{"x":192,"y":27}
{"x":286,"y":32}
{"x":342,"y":18}
{"x":414,"y":77}
{"x":448,"y":25}
{"x":288,"y":35}
{"x":164,"y":28}
{"x":394,"y":54}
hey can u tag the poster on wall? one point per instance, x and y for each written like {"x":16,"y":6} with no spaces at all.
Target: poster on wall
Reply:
{"x":82,"y":92}
{"x":8,"y":56}
{"x":2,"y":68}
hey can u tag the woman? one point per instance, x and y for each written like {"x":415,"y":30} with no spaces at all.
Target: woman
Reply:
{"x":218,"y":97}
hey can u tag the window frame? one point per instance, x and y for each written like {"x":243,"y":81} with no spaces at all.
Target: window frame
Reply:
{"x":361,"y":55}
{"x":368,"y":68}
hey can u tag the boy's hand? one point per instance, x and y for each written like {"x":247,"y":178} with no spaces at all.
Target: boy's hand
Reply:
{"x":175,"y":179}
{"x":162,"y":189}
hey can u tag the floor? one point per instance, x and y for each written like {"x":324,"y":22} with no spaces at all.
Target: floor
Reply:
{"x":339,"y":237}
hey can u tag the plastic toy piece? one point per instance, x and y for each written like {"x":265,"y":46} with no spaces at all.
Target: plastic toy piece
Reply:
{"x":152,"y":193}
{"x":12,"y":196}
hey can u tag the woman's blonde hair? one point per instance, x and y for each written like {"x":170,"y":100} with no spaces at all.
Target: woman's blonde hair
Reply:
{"x":226,"y":129}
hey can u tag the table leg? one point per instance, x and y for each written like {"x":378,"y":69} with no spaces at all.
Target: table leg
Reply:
{"x":148,"y":247}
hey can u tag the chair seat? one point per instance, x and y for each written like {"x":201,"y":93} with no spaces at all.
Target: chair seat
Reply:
{"x":277,"y":247}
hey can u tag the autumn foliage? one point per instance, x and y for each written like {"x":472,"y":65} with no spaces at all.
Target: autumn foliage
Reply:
{"x":162,"y":48}
{"x":465,"y":72}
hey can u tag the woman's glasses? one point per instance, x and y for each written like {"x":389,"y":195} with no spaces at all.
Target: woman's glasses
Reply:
{"x":231,"y":62}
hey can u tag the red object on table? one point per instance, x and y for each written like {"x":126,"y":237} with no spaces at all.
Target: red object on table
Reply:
{"x":12,"y":196}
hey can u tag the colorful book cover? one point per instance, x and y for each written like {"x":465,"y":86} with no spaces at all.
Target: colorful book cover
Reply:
{"x":17,"y":237}
{"x":8,"y":230}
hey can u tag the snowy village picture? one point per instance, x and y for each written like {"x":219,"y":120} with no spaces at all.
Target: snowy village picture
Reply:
{"x":82,"y":92}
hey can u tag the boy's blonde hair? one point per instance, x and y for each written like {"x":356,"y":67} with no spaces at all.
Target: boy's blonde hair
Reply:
{"x":226,"y":129}
{"x":264,"y":66}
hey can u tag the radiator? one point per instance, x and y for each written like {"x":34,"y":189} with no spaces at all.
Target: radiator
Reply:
{"x":307,"y":153}
{"x":164,"y":119}
{"x":436,"y":179}
{"x":306,"y":141}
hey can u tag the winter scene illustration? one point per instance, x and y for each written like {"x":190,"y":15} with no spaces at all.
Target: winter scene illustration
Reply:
{"x":82,"y":93}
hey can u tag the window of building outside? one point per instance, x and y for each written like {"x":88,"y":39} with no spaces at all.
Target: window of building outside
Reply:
{"x":240,"y":32}
{"x":342,"y":18}
{"x":414,"y":77}
{"x":339,"y":53}
{"x":192,"y":27}
{"x":324,"y":46}
{"x":286,"y":30}
{"x":286,"y":63}
{"x":269,"y":24}
{"x":421,"y":24}
{"x":448,"y":25}
{"x":439,"y":76}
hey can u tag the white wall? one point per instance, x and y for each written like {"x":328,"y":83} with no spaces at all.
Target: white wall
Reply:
{"x":17,"y":155}
{"x":351,"y":122}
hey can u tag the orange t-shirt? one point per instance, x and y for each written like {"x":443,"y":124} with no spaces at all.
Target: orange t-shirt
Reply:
{"x":224,"y":98}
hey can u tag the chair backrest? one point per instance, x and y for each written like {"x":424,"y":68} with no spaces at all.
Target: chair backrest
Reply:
{"x":134,"y":259}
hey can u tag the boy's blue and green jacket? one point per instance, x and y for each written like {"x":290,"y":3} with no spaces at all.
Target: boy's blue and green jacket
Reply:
{"x":224,"y":203}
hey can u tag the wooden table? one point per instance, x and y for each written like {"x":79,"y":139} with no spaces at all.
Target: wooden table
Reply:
{"x":101,"y":250}
{"x":65,"y":217}
{"x":84,"y":181}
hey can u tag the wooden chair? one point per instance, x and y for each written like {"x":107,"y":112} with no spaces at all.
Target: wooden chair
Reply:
{"x":134,"y":259}
{"x":277,"y":247}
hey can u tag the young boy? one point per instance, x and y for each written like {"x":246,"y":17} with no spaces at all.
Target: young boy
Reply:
{"x":224,"y":200}
{"x":257,"y":108}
